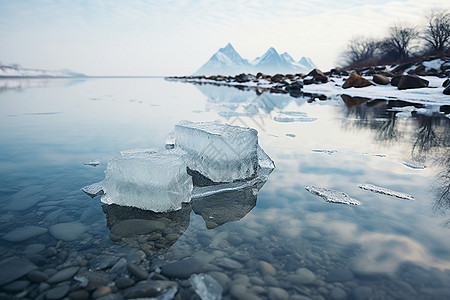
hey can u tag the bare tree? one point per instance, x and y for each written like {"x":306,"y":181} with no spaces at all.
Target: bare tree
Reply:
{"x":437,"y":32}
{"x":400,"y":40}
{"x":360,"y":49}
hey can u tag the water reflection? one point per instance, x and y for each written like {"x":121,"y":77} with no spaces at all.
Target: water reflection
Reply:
{"x":426,"y":134}
{"x":136,"y":227}
{"x":26,"y":83}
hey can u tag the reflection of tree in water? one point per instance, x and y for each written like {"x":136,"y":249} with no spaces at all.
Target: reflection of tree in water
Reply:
{"x":429,"y":139}
{"x":373,"y":115}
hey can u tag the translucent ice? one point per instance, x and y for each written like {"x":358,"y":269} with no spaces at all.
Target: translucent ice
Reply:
{"x":92,"y":163}
{"x":221,"y":152}
{"x":206,"y":287}
{"x":132,"y":152}
{"x":385,"y":191}
{"x":157,"y":181}
{"x":414,"y":165}
{"x":331,"y":195}
{"x":94,"y":189}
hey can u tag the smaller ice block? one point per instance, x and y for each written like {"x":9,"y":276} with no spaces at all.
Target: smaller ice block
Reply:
{"x":156,"y":181}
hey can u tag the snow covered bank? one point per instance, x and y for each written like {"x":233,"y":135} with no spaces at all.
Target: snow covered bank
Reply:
{"x":8,"y":72}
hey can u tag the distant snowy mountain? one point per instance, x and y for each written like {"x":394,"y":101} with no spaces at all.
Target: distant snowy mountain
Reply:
{"x":227,"y":61}
{"x":6,"y":71}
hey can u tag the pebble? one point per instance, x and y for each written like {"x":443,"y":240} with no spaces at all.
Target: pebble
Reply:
{"x":34,"y":249}
{"x":79,"y":295}
{"x":58,"y":292}
{"x":256,"y":281}
{"x":63,"y":275}
{"x":361,"y":293}
{"x":24,"y":203}
{"x":338,"y":294}
{"x":102,"y":291}
{"x":270,"y":280}
{"x":137,"y":271}
{"x":13,"y":268}
{"x":43,"y":286}
{"x":148,"y":288}
{"x":228,"y":263}
{"x":339,"y":275}
{"x":51,"y":251}
{"x":16,"y":286}
{"x":302,"y":276}
{"x":132,"y":227}
{"x":221,"y":278}
{"x":266,"y":269}
{"x":123,"y":283}
{"x":67,"y":231}
{"x":277,"y":294}
{"x":102,"y":262}
{"x":182,"y":269}
{"x":240,"y":292}
{"x":24,"y":233}
{"x":37,"y":276}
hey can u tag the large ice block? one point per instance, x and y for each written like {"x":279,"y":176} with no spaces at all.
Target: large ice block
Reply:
{"x":156,"y":181}
{"x":221,"y":152}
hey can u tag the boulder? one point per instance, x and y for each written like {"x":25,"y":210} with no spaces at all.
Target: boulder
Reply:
{"x":318,"y":76}
{"x":381,"y":79}
{"x":354,"y":102}
{"x":419,"y":69}
{"x":387,"y":73}
{"x":395,"y":80}
{"x":411,"y":82}
{"x":447,"y":90}
{"x":356,"y":81}
{"x":446,"y":83}
{"x":277,"y":78}
{"x":401,"y":68}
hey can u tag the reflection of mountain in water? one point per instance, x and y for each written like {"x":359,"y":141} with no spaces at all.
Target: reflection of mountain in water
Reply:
{"x":25,"y":83}
{"x":429,"y":141}
{"x":232,"y":102}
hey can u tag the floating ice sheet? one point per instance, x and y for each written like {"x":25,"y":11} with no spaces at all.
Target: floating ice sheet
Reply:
{"x":94,"y":189}
{"x":385,"y":191}
{"x":329,"y":152}
{"x":221,"y":152}
{"x":414,"y":165}
{"x":293,"y":119}
{"x":92,"y":163}
{"x":332,"y":196}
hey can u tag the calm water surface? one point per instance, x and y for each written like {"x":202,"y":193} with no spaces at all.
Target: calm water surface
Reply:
{"x":386,"y":248}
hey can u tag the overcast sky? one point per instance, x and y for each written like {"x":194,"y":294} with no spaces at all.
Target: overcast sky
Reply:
{"x":177,"y":37}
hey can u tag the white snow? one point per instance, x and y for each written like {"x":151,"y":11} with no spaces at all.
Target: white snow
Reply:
{"x":385,"y":191}
{"x":414,"y":165}
{"x":430,"y":95}
{"x":332,"y":196}
{"x":221,"y":152}
{"x":138,"y":151}
{"x":433,"y":64}
{"x":156,"y":181}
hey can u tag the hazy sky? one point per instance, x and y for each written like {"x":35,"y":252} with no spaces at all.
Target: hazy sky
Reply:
{"x":177,"y":37}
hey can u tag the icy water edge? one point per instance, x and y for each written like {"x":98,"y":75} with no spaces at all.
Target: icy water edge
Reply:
{"x":280,"y":243}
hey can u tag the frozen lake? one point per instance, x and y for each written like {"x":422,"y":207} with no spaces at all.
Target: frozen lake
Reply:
{"x":281,"y":241}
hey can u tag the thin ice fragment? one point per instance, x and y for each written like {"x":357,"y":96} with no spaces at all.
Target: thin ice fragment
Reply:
{"x":385,"y":191}
{"x":94,"y":189}
{"x":332,"y":196}
{"x":92,"y":163}
{"x":206,"y":287}
{"x":414,"y":165}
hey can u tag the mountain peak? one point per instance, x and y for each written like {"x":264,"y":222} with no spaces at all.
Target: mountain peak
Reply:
{"x":227,"y":61}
